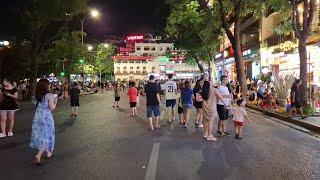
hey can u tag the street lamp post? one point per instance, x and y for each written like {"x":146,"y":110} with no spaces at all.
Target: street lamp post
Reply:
{"x":94,"y":13}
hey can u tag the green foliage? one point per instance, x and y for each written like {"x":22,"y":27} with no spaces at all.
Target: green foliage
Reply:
{"x":103,"y":59}
{"x":193,"y":29}
{"x":266,"y":77}
{"x":68,"y":49}
{"x":309,"y":111}
{"x":284,"y":28}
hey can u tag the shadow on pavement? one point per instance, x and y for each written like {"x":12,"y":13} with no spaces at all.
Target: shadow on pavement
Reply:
{"x":66,"y":124}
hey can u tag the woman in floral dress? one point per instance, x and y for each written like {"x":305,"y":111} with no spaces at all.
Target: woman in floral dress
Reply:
{"x":43,"y":130}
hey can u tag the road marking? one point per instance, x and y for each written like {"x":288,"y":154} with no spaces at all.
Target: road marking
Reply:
{"x":152,"y":166}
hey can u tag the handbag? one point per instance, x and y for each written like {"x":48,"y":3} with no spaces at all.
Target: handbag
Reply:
{"x":199,"y":97}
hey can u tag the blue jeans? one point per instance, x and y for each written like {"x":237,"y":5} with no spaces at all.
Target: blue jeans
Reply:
{"x":153,"y":110}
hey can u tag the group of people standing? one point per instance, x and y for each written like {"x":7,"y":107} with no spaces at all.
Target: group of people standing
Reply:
{"x":209,"y":101}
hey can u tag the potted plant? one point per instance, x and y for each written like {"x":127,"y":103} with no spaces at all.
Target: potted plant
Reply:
{"x":282,"y":86}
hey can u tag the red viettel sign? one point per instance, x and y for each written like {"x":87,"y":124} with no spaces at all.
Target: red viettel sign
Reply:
{"x":134,"y":38}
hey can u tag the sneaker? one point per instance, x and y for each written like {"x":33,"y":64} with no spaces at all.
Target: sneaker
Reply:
{"x":227,"y":134}
{"x":3,"y":135}
{"x":200,"y":126}
{"x":219,"y":132}
{"x":10,"y":134}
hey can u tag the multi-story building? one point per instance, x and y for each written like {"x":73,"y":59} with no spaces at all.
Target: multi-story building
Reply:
{"x":157,"y":59}
{"x":250,"y":47}
{"x":280,"y":55}
{"x":154,"y":49}
{"x":264,"y":51}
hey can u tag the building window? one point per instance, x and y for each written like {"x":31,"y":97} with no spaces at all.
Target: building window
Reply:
{"x":144,"y":70}
{"x":160,"y":49}
{"x":146,"y":48}
{"x":153,"y":48}
{"x":138,"y":48}
{"x":168,"y":48}
{"x":153,"y":69}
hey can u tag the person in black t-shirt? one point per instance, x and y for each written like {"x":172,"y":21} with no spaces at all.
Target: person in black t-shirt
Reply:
{"x":295,"y":97}
{"x":152,"y":91}
{"x":74,"y":99}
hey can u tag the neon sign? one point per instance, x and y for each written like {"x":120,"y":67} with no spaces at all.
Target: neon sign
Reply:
{"x":134,"y":37}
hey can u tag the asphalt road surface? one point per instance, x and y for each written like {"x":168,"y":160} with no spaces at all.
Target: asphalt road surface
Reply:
{"x":106,"y":143}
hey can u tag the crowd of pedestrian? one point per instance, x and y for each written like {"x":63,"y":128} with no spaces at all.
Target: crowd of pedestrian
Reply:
{"x":175,"y":99}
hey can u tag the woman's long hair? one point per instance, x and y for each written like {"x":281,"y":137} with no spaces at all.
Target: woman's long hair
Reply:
{"x":42,"y":89}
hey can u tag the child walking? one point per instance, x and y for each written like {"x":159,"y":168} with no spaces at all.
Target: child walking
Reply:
{"x":132,"y":93}
{"x":239,"y":118}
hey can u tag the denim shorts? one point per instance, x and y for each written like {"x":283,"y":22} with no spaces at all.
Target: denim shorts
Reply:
{"x":188,"y":106}
{"x":153,"y":110}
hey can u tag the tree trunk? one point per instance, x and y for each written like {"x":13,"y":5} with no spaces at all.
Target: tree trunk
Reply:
{"x":34,"y":73}
{"x":198,"y":61}
{"x":309,"y":7}
{"x":235,"y":40}
{"x":240,"y":66}
{"x":303,"y":70}
{"x":236,"y":45}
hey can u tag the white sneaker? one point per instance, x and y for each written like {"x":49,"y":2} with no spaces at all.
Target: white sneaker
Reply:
{"x":10,"y":134}
{"x":3,"y":135}
{"x":200,"y":126}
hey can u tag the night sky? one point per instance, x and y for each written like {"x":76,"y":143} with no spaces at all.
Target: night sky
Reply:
{"x":118,"y":17}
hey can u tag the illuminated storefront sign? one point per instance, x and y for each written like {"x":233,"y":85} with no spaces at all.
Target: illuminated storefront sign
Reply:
{"x":135,"y":38}
{"x":288,"y":46}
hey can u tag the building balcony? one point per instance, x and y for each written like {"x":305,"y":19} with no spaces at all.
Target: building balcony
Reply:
{"x":130,"y":73}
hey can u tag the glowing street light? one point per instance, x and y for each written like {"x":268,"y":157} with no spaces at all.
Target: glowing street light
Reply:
{"x":94,"y":13}
{"x":90,"y":48}
{"x":106,"y":45}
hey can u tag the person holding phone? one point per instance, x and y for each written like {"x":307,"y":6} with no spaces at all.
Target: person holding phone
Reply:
{"x":43,"y":128}
{"x":8,"y":107}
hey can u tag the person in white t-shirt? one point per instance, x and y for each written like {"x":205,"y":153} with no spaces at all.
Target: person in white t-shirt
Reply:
{"x":170,"y":90}
{"x":239,"y":118}
{"x":222,"y":107}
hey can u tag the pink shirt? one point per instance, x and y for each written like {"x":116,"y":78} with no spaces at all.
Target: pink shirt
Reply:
{"x":209,"y":106}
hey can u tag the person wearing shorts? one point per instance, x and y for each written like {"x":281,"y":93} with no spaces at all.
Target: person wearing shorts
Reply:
{"x":198,"y":104}
{"x":296,"y":98}
{"x":132,"y":93}
{"x":152,"y":91}
{"x":186,"y":96}
{"x":170,"y":90}
{"x":8,"y":107}
{"x":222,"y":106}
{"x":239,"y":118}
{"x":116,"y":91}
{"x":74,"y":99}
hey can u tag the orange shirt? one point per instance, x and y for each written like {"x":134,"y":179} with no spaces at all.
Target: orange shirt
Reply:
{"x":133,"y":94}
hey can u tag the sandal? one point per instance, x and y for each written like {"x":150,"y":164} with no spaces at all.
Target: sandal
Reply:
{"x":50,"y":157}
{"x":37,"y":161}
{"x":211,"y":138}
